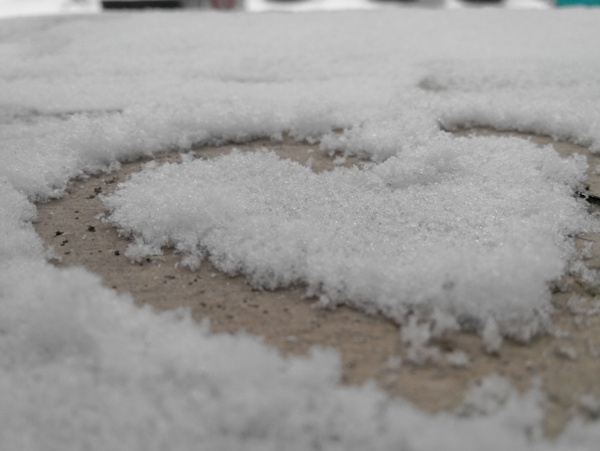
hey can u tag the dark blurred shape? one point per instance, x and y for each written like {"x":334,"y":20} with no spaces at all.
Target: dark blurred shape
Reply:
{"x":138,"y":4}
{"x":223,"y":4}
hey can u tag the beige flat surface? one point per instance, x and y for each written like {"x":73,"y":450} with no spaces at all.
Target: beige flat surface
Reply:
{"x":569,"y":365}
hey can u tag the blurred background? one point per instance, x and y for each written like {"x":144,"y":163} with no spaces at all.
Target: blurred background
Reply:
{"x":10,"y":8}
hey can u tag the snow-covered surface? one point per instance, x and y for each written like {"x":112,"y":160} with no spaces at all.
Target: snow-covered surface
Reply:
{"x":449,"y":225}
{"x":82,"y":368}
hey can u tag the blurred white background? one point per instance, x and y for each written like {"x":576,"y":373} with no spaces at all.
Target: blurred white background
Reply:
{"x":43,"y":7}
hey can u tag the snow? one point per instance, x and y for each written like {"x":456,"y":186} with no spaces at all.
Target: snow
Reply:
{"x":369,"y":237}
{"x":82,"y":368}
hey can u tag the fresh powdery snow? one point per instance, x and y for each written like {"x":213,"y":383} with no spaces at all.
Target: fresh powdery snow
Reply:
{"x":470,"y":229}
{"x":449,"y":225}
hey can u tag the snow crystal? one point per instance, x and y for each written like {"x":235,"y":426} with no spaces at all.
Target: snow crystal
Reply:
{"x":583,"y":306}
{"x":488,"y":396}
{"x":457,"y":358}
{"x":417,"y":337}
{"x":566,"y":352}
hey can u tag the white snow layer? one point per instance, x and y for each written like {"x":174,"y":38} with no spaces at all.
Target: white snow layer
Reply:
{"x":471,"y":226}
{"x":82,"y":368}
